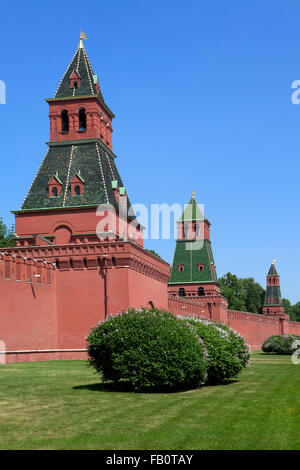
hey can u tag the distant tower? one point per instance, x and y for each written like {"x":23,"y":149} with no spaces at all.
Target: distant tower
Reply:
{"x":193,"y":272}
{"x":273,"y":301}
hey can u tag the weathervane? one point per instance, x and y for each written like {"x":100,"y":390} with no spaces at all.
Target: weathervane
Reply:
{"x":82,"y":36}
{"x":273,"y":261}
{"x":193,"y":194}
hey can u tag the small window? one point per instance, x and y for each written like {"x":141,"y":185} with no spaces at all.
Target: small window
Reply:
{"x":181,"y":292}
{"x":82,"y":120}
{"x":54,"y":191}
{"x":64,"y":121}
{"x":200,"y":267}
{"x":85,"y":262}
{"x":186,"y":231}
{"x":71,"y":264}
{"x":75,"y":84}
{"x":201,"y":292}
{"x":181,"y":268}
{"x":77,"y":190}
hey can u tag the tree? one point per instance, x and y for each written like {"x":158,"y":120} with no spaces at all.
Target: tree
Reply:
{"x":255,"y":295}
{"x":295,"y":312}
{"x":7,"y":237}
{"x":153,"y":253}
{"x":287,"y":307}
{"x":232,"y":288}
{"x":243,"y":294}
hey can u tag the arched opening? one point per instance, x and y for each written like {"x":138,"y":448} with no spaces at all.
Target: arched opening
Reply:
{"x":71,"y":264}
{"x":197,"y":230}
{"x":77,"y":190}
{"x":181,"y":268}
{"x":75,"y":84}
{"x":57,"y":264}
{"x":113,"y":261}
{"x":201,"y":292}
{"x":64,"y":121}
{"x":181,"y":292}
{"x":150,"y":304}
{"x":85,"y":262}
{"x":54,"y":191}
{"x":99,"y":262}
{"x":186,"y":231}
{"x":82,"y":120}
{"x":200,"y":267}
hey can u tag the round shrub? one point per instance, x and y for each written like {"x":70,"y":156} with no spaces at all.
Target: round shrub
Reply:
{"x":225,"y":349}
{"x":238,"y":344}
{"x":151,"y":349}
{"x":280,"y":344}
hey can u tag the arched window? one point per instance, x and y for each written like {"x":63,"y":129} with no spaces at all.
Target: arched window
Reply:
{"x":197,"y":230}
{"x":64,"y":121}
{"x":71,"y":264}
{"x":181,"y":292}
{"x":201,"y":267}
{"x":186,"y":231}
{"x":85,"y":262}
{"x":113,"y":261}
{"x":82,"y":120}
{"x":181,"y":268}
{"x":274,"y":280}
{"x":77,"y":190}
{"x":201,"y":292}
{"x":54,"y":191}
{"x":57,"y":264}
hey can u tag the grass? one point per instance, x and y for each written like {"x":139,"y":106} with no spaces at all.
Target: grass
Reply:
{"x":62,"y":405}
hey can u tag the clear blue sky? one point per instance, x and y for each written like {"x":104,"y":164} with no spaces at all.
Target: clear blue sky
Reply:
{"x":202,"y":96}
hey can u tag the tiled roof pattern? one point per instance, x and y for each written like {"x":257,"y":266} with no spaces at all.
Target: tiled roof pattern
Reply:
{"x":192,"y":211}
{"x":274,"y":294}
{"x":191,"y":259}
{"x":81,"y":64}
{"x":272,"y":270}
{"x":97,"y":168}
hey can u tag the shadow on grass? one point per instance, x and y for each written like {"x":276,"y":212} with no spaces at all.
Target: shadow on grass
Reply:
{"x":125,"y":386}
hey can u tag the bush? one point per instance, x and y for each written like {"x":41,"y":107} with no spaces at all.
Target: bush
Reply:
{"x":238,"y":344}
{"x":227,"y":351}
{"x":280,"y":344}
{"x":149,"y":348}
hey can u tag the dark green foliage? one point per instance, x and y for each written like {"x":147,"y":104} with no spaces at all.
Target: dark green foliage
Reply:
{"x":7,"y":237}
{"x":295,"y":312}
{"x":243,"y":294}
{"x":237,"y":344}
{"x":280,"y":344}
{"x":149,"y":348}
{"x":154,"y":253}
{"x":228,"y":352}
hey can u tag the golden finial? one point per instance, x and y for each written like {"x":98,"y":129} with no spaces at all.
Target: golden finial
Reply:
{"x":273,"y":261}
{"x":82,"y":36}
{"x":193,"y":194}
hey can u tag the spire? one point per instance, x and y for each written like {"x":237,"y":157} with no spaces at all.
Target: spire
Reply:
{"x":79,"y":79}
{"x":272,"y":270}
{"x":192,"y":211}
{"x":273,"y":301}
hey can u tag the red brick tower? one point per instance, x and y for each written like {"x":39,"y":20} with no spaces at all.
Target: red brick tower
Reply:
{"x":78,"y":184}
{"x":273,"y":301}
{"x":76,"y":215}
{"x":193,"y":273}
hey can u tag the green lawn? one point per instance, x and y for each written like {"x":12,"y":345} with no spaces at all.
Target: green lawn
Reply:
{"x":61,"y":405}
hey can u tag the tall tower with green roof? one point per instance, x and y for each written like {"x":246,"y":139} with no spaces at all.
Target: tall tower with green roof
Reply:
{"x":78,"y":174}
{"x":193,"y":272}
{"x":273,"y":300}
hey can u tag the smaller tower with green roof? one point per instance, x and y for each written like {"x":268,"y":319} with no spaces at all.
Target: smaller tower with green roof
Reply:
{"x":273,"y":301}
{"x":193,"y":273}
